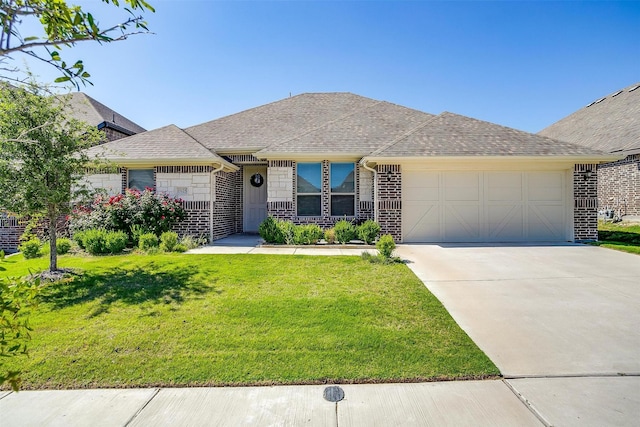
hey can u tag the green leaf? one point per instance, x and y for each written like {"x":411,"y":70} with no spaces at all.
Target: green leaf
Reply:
{"x":30,"y":39}
{"x":62,"y":79}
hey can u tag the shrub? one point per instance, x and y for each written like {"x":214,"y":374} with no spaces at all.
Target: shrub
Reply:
{"x":288,"y":230}
{"x":132,"y":212}
{"x":78,"y":236}
{"x":330,"y":236}
{"x":31,"y":248}
{"x":115,"y":241}
{"x":308,"y":234}
{"x":93,"y":241}
{"x":180,"y":247}
{"x":168,"y":241}
{"x":368,"y":231}
{"x":1,"y":254}
{"x":137,"y":231}
{"x":345,"y":231}
{"x":148,"y":241}
{"x":63,"y":246}
{"x":269,"y":230}
{"x":191,"y":242}
{"x":386,"y":246}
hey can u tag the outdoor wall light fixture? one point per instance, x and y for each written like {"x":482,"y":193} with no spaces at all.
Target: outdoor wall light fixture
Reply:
{"x":389,"y":175}
{"x":587,"y":174}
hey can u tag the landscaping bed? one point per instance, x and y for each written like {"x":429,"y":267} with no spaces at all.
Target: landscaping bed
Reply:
{"x":193,"y":320}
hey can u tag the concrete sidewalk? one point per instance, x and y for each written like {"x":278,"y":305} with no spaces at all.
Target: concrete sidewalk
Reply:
{"x":465,"y":403}
{"x":253,"y":244}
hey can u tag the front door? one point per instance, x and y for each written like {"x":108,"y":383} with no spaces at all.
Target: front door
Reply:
{"x":255,"y":197}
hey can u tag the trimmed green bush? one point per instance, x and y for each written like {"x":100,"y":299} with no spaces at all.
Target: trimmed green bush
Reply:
{"x":308,"y":234}
{"x":31,"y":248}
{"x":288,"y":230}
{"x":330,"y":236}
{"x":93,"y":241}
{"x":368,"y":231}
{"x":269,"y":230}
{"x":180,"y":247}
{"x":115,"y":241}
{"x":345,"y":231}
{"x":386,"y":246}
{"x":168,"y":241}
{"x":63,"y":246}
{"x":147,"y":241}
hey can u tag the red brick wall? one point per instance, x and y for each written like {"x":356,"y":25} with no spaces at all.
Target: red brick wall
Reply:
{"x":585,"y":203}
{"x":619,"y":186}
{"x":389,"y":182}
{"x":10,"y":231}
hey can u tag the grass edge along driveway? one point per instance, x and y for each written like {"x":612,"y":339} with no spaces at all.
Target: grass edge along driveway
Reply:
{"x":196,"y":320}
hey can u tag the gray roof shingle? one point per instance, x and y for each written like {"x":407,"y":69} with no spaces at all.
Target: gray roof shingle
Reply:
{"x":169,"y":143}
{"x":610,"y":124}
{"x":360,"y":132}
{"x":87,"y":109}
{"x":279,"y":121}
{"x":451,"y":134}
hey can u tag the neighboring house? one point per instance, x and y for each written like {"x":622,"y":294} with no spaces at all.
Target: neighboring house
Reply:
{"x":320,"y":157}
{"x":610,"y":124}
{"x":87,"y":109}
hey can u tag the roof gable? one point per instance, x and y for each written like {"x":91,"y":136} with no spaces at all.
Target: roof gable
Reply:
{"x":610,"y":124}
{"x":166,"y":145}
{"x":87,"y":109}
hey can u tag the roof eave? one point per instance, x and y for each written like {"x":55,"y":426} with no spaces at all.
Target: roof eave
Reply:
{"x":150,"y":162}
{"x":315,"y":156}
{"x":590,"y":158}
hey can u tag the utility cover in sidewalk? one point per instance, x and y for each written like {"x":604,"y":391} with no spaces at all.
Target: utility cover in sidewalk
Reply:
{"x":333,"y":394}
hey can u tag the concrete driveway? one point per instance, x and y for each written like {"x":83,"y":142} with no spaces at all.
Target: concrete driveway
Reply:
{"x":559,"y":321}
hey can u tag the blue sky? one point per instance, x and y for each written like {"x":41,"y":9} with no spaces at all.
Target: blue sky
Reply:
{"x":519,"y":64}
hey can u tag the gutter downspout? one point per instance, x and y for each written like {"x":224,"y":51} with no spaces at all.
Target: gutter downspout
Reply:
{"x":213,"y":200}
{"x":375,"y":188}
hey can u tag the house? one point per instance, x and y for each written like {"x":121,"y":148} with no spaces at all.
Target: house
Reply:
{"x":321,"y":157}
{"x":610,"y":124}
{"x":87,"y":109}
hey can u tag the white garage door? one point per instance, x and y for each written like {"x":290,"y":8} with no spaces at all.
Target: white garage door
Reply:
{"x":475,"y":206}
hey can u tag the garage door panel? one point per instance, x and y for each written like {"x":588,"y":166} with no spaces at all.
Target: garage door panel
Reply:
{"x":422,"y":222}
{"x":505,"y":223}
{"x":492,"y":206}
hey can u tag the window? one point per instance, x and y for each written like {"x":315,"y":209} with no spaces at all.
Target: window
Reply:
{"x":139,"y":179}
{"x":343,"y":194}
{"x":309,"y":189}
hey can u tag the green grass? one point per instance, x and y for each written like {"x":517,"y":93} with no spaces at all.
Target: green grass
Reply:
{"x":169,"y":320}
{"x":619,"y":236}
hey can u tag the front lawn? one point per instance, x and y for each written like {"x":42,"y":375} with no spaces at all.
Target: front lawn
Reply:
{"x":620,"y":236}
{"x":169,"y":320}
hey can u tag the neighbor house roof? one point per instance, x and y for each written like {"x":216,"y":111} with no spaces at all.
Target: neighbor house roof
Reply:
{"x":358,"y":133}
{"x":87,"y":109}
{"x":261,"y":127}
{"x":168,"y":145}
{"x":452,"y":135}
{"x":610,"y":124}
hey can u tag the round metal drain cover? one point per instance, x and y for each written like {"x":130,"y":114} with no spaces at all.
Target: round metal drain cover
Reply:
{"x":333,"y":394}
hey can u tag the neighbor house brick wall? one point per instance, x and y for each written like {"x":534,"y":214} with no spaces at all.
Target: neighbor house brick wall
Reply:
{"x":10,"y":231}
{"x":619,"y":186}
{"x":389,"y":183}
{"x":112,"y":134}
{"x":585,"y":203}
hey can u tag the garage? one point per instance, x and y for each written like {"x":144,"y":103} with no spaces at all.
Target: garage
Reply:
{"x":486,"y":206}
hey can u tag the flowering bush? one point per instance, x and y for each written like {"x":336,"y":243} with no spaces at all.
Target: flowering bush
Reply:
{"x":148,"y":211}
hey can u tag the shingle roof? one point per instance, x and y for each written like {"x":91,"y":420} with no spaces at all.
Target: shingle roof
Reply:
{"x":451,"y":134}
{"x":276,"y":122}
{"x":87,"y":109}
{"x":360,"y":132}
{"x":167,"y":143}
{"x":610,"y":124}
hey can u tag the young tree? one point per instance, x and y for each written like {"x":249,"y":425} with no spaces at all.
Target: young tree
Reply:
{"x":42,"y":156}
{"x":62,"y":25}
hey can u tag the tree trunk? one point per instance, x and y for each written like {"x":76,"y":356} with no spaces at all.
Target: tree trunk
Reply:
{"x":53,"y":239}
